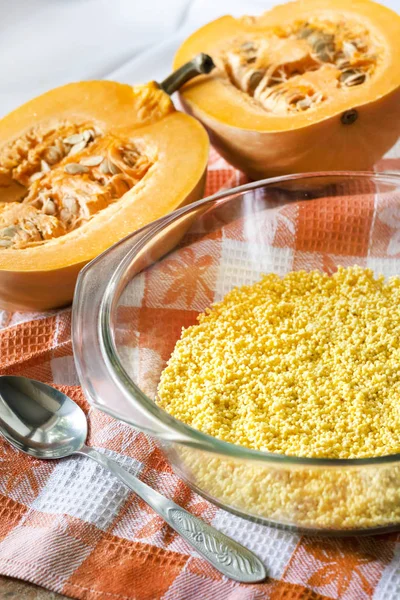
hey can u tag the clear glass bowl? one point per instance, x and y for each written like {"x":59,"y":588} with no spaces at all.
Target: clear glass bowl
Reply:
{"x":132,"y":302}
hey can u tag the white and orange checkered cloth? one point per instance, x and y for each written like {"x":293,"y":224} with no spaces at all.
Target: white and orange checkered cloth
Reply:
{"x":71,"y":527}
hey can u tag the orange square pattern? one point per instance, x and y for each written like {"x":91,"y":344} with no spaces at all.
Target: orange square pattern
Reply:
{"x":322,"y":227}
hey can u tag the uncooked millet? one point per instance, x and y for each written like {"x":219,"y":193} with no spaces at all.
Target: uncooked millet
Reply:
{"x":305,"y":365}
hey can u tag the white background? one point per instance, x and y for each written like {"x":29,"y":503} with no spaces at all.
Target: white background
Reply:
{"x":45,"y":43}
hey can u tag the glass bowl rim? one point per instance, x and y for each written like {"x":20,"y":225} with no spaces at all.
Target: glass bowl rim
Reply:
{"x":121,"y":377}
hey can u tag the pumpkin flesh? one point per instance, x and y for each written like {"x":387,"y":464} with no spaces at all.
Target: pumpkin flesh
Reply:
{"x":64,"y":199}
{"x":301,"y":66}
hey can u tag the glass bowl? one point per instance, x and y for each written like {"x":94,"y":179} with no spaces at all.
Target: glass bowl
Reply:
{"x":132,"y":302}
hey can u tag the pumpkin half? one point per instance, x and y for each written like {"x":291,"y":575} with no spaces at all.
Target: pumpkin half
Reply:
{"x":81,"y":167}
{"x":311,"y":85}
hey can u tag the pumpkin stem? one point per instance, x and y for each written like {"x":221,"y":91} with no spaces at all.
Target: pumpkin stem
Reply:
{"x":202,"y":64}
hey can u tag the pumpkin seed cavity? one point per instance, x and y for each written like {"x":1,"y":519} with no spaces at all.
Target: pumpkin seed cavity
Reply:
{"x":292,"y":70}
{"x":70,"y":174}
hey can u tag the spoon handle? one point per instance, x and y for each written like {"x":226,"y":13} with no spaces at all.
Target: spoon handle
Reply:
{"x":229,"y":557}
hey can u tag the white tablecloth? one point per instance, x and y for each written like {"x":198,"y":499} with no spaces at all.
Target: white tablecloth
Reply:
{"x":45,"y":43}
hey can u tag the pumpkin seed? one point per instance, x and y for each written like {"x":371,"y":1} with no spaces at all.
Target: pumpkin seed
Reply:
{"x":105,"y":167}
{"x":324,"y":50}
{"x":52,"y":155}
{"x":322,"y":44}
{"x":305,"y":32}
{"x":317,"y":97}
{"x":91,"y":161}
{"x":113,"y":168}
{"x":77,"y":148}
{"x":352,"y":77}
{"x":5,"y":243}
{"x":295,"y":98}
{"x":65,"y":215}
{"x":342,"y":63}
{"x":64,"y":148}
{"x":8,"y":231}
{"x":349,"y":49}
{"x":71,"y":205}
{"x":45,"y":167}
{"x":49,"y":207}
{"x":36,"y":176}
{"x":254,"y":80}
{"x":76,"y":138}
{"x":130,"y":159}
{"x":304,"y":103}
{"x":75,"y":168}
{"x":88,"y":135}
{"x":248,"y":47}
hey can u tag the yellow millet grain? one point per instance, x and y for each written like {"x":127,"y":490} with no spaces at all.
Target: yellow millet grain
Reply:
{"x":334,"y":498}
{"x":305,"y":365}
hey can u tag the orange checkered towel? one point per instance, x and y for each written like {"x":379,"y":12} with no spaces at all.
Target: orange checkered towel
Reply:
{"x":71,"y":527}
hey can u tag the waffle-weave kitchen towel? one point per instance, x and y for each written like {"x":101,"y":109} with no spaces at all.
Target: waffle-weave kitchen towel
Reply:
{"x":71,"y":527}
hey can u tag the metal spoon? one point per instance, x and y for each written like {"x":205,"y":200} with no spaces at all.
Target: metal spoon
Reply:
{"x":45,"y":423}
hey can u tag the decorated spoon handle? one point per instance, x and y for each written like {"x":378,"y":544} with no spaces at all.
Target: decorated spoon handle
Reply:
{"x":226,"y":555}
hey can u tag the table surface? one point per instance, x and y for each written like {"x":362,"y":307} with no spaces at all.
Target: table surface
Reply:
{"x":13,"y":589}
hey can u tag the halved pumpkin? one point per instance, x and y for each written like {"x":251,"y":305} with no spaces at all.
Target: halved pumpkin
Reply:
{"x":311,"y":85}
{"x":81,"y":167}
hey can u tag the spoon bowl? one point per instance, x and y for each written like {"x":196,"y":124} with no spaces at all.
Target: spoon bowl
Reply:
{"x":40,"y":420}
